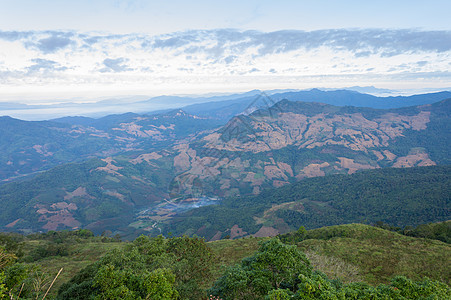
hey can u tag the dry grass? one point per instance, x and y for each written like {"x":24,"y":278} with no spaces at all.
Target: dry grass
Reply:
{"x":334,"y":267}
{"x":381,"y":254}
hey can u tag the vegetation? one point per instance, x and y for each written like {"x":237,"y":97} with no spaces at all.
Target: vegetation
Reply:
{"x":180,"y":265}
{"x":398,"y":197}
{"x":343,"y":261}
{"x":377,"y":254}
{"x":436,"y":231}
{"x":279,"y":271}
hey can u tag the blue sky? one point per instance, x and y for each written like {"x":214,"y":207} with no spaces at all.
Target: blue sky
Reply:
{"x":157,"y":17}
{"x":51,"y":50}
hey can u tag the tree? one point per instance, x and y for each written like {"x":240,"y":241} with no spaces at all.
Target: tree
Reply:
{"x":149,"y":268}
{"x":274,"y":266}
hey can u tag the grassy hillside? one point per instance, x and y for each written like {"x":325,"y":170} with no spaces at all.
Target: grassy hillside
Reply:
{"x":351,"y":253}
{"x":377,"y":254}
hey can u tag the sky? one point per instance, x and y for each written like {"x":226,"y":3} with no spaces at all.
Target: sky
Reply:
{"x":80,"y":50}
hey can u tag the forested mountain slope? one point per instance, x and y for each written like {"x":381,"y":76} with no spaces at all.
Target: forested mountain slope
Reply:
{"x":148,"y":188}
{"x":28,"y":147}
{"x":395,"y":196}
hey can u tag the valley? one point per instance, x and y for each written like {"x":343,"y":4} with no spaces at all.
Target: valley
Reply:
{"x":160,"y":166}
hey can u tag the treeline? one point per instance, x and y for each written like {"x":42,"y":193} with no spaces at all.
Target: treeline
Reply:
{"x":435,"y":231}
{"x":440,"y":231}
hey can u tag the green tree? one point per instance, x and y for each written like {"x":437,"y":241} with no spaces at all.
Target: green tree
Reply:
{"x":129,"y":284}
{"x":3,"y":289}
{"x":158,"y":268}
{"x":274,"y":266}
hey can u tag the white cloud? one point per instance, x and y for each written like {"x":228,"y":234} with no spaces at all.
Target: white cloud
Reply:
{"x":219,"y":60}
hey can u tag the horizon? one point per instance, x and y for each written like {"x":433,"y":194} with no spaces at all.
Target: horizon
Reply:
{"x":149,"y":105}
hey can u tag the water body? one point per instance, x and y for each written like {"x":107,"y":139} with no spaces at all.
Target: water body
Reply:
{"x":186,"y":205}
{"x":180,"y":206}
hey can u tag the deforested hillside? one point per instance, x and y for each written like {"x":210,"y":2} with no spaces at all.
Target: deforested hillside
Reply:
{"x":149,"y":189}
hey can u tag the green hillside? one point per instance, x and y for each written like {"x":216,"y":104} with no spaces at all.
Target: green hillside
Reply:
{"x":377,"y":254}
{"x":353,"y":254}
{"x":149,"y":190}
{"x":398,"y":197}
{"x":29,"y":147}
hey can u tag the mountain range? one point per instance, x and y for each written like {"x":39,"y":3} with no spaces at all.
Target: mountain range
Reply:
{"x":144,"y":173}
{"x":159,"y":104}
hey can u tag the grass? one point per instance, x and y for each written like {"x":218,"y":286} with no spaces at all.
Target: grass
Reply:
{"x":352,"y":252}
{"x":230,"y":252}
{"x":80,"y":255}
{"x":379,"y":254}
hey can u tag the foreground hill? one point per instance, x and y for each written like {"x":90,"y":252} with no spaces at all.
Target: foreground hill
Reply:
{"x":377,"y":254}
{"x":267,"y":148}
{"x":350,"y":253}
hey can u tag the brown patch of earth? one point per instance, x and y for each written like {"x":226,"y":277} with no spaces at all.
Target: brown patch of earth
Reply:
{"x":61,"y":217}
{"x":110,"y":168}
{"x":146,"y":157}
{"x":266,"y":232}
{"x":273,"y":172}
{"x":412,"y":160}
{"x":216,"y":237}
{"x":390,"y":156}
{"x":12,"y":224}
{"x":64,"y":205}
{"x":42,"y":150}
{"x":78,"y":192}
{"x":352,"y":166}
{"x":236,"y":231}
{"x":312,"y":170}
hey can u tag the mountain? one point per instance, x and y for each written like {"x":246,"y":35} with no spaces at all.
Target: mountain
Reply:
{"x":110,"y":106}
{"x":27,"y":147}
{"x":223,"y":106}
{"x":294,"y":140}
{"x":227,"y":109}
{"x":144,"y":190}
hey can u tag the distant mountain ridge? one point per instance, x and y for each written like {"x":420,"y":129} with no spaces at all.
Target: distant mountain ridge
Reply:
{"x":70,"y":139}
{"x":233,"y":104}
{"x":228,"y":109}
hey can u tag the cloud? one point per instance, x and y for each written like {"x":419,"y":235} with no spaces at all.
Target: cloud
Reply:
{"x":209,"y":56}
{"x":422,"y":63}
{"x":115,"y":65}
{"x":14,"y":35}
{"x":363,"y":42}
{"x":44,"y":65}
{"x":222,"y":43}
{"x":53,"y":43}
